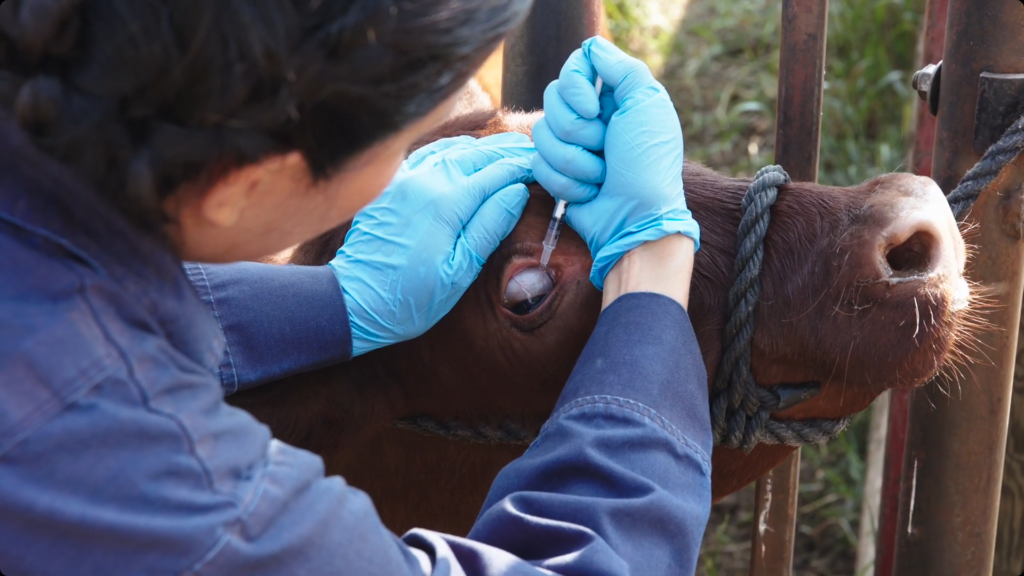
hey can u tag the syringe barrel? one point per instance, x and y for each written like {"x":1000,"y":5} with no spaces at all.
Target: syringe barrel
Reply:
{"x":555,"y":225}
{"x":551,"y":237}
{"x":554,"y":228}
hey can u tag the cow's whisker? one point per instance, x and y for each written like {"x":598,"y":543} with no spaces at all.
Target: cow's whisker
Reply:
{"x":917,"y":319}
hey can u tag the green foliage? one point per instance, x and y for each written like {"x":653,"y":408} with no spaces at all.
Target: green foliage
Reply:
{"x":722,"y":70}
{"x":722,"y":73}
{"x":645,"y":28}
{"x":868,"y":105}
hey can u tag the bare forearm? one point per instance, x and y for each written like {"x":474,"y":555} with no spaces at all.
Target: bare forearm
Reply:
{"x":663,"y":266}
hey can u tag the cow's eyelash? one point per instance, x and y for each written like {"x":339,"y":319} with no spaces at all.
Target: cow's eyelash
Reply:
{"x":517,"y":253}
{"x":512,"y":261}
{"x":523,"y":249}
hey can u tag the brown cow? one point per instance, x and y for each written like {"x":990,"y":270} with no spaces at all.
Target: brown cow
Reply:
{"x":862,"y":291}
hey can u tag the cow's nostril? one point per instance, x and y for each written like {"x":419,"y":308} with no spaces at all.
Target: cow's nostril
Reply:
{"x":914,"y":256}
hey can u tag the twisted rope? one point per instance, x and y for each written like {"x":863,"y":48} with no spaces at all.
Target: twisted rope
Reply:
{"x":996,"y":158}
{"x":736,"y":410}
{"x":741,"y":410}
{"x":504,"y":433}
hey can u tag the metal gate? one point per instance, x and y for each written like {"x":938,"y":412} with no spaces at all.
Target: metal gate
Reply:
{"x":940,"y":506}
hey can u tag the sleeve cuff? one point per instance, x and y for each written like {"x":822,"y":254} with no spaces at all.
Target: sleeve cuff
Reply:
{"x":276,"y":320}
{"x":644,"y":350}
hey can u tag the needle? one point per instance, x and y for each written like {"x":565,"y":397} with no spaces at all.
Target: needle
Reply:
{"x":555,"y":226}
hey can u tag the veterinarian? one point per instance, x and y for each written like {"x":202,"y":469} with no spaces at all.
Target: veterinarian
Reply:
{"x":135,"y":135}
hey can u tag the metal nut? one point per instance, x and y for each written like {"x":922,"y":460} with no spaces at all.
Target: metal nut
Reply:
{"x":926,"y":82}
{"x":922,"y":80}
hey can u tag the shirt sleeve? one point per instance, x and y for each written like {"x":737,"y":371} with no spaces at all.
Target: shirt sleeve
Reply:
{"x":619,"y":479}
{"x":276,"y":320}
{"x":146,"y":470}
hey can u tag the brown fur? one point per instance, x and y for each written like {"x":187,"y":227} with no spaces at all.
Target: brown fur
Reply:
{"x":823,"y":316}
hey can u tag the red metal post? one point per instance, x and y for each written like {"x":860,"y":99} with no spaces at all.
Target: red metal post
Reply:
{"x":888,"y":513}
{"x":933,"y":34}
{"x":956,"y":444}
{"x":933,"y":37}
{"x":797,"y":138}
{"x":775,"y":498}
{"x":535,"y":52}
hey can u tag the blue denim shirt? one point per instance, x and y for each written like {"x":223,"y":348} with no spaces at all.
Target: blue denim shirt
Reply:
{"x":118,"y":454}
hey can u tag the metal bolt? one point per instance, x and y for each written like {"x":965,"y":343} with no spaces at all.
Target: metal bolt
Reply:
{"x":922,"y":80}
{"x":927,"y":81}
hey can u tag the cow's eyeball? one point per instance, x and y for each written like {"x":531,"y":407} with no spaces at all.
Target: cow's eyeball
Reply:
{"x":526,"y":290}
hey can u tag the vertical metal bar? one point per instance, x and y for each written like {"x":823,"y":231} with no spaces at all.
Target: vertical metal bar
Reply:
{"x":801,"y":77}
{"x":771,"y":546}
{"x":1009,"y":556}
{"x":888,"y":515}
{"x":797,"y":138}
{"x":874,"y":466}
{"x":933,"y":39}
{"x":933,"y":36}
{"x":956,"y":444}
{"x":535,"y":52}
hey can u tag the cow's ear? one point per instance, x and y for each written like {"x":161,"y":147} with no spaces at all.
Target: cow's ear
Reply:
{"x":320,"y":250}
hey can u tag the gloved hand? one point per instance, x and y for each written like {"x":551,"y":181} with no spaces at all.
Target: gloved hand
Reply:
{"x":635,"y":193}
{"x":413,"y":252}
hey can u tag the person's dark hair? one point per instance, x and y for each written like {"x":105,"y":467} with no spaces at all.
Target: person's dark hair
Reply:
{"x":142,"y":96}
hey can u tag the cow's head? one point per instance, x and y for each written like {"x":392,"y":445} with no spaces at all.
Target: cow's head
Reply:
{"x":862,"y":290}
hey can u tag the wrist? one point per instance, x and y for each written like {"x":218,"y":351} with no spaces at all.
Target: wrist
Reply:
{"x":365,"y":333}
{"x":663,"y":266}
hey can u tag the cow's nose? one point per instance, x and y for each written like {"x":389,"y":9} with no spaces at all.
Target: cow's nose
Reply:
{"x":922,"y":239}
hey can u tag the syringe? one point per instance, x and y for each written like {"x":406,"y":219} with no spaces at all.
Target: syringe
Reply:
{"x":551,"y":238}
{"x":555,"y":226}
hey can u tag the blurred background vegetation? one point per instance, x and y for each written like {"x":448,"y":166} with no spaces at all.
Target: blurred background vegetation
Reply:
{"x":720,"y":61}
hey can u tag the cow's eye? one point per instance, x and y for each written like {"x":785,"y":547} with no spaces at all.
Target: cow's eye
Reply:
{"x":525,"y":291}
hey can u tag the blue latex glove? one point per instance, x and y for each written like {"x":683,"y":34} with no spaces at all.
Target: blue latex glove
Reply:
{"x":414,"y":251}
{"x":635,"y":193}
